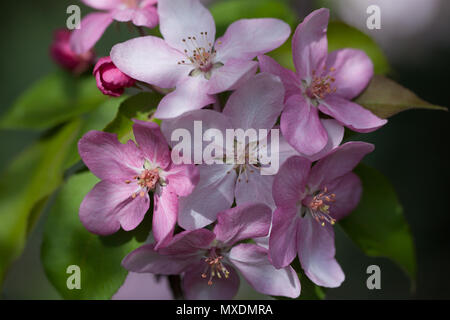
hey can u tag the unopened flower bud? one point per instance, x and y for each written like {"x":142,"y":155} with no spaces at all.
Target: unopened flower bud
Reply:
{"x":63,"y":55}
{"x":110,"y":80}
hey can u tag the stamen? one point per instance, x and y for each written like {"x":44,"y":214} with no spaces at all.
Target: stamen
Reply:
{"x":200,"y":54}
{"x":146,"y":181}
{"x":320,"y":205}
{"x":215,"y":266}
{"x":321,"y":86}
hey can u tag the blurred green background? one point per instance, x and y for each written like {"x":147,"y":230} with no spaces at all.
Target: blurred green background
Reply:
{"x":411,"y":150}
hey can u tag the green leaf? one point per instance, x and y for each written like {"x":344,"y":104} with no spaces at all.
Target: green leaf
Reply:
{"x":97,"y":119}
{"x":140,"y":106}
{"x":385,"y":98}
{"x":24,"y":187}
{"x":66,"y":242}
{"x":227,"y":12}
{"x":341,"y":35}
{"x":53,"y":100}
{"x":377,"y":225}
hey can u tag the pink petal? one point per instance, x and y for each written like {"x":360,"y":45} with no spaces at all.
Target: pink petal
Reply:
{"x":248,"y":38}
{"x":282,"y":244}
{"x":114,"y":78}
{"x":102,"y":4}
{"x":353,"y":71}
{"x":208,"y":119}
{"x":132,"y":214}
{"x":145,"y":3}
{"x":335,"y":135}
{"x":191,"y":94}
{"x":316,"y":252}
{"x":277,"y":152}
{"x":290,"y":182}
{"x":146,"y":17}
{"x":348,"y":190}
{"x":165,"y":214}
{"x":254,"y":187}
{"x":183,"y":179}
{"x":252,"y":261}
{"x":110,"y":205}
{"x":309,"y":43}
{"x":197,"y":288}
{"x":109,"y":159}
{"x":147,"y":259}
{"x":152,"y":143}
{"x":144,"y":286}
{"x":301,"y":126}
{"x":257,"y":104}
{"x":290,"y":81}
{"x":243,"y":222}
{"x":213,"y":194}
{"x":263,"y":242}
{"x":91,"y":29}
{"x":123,"y":15}
{"x":151,"y":60}
{"x":350,"y":114}
{"x":338,"y":163}
{"x":230,"y":76}
{"x":285,"y":151}
{"x":180,"y":19}
{"x":189,"y":242}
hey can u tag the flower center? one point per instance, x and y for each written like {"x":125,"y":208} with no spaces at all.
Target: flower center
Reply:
{"x":319,"y":206}
{"x":200,"y":54}
{"x":321,"y":86}
{"x":245,"y":159}
{"x":147,"y":181}
{"x":214,"y":266}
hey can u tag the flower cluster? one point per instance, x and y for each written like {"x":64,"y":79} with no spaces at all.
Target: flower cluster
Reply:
{"x":214,"y":221}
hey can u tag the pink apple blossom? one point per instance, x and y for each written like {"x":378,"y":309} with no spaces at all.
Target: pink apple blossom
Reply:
{"x":256,"y":105}
{"x":110,"y":80}
{"x":190,"y":59}
{"x":309,"y":201}
{"x":322,"y":82}
{"x":141,"y":13}
{"x":128,"y":173}
{"x":64,"y":56}
{"x":210,"y":260}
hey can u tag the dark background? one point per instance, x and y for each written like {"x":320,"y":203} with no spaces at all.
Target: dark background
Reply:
{"x":411,"y":150}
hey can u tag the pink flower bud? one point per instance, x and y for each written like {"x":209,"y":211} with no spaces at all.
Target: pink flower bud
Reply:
{"x":63,"y":55}
{"x":110,"y":80}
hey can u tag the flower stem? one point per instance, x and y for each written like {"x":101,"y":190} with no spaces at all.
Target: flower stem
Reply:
{"x":175,"y":286}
